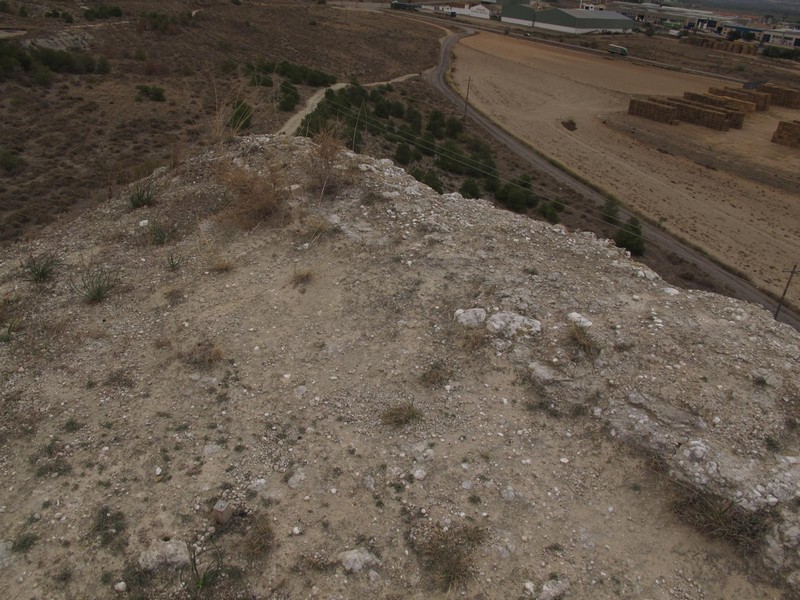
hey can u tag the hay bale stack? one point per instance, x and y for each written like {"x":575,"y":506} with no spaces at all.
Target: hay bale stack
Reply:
{"x":733,"y":101}
{"x":698,"y":114}
{"x":781,"y":95}
{"x":733,"y":113}
{"x":653,"y":110}
{"x":787,"y":134}
{"x":760,"y":99}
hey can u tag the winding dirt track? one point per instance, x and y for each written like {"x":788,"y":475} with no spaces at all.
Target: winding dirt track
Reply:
{"x":741,"y":288}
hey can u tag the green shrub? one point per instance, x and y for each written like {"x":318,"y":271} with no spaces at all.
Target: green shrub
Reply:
{"x":611,"y":211}
{"x":470,"y":188}
{"x":10,"y":162}
{"x":101,"y":66}
{"x":290,"y":96}
{"x":298,"y":74}
{"x":95,"y":285}
{"x":242,"y":116}
{"x":630,"y":237}
{"x":102,"y":12}
{"x":41,"y":267}
{"x":403,"y":154}
{"x":151,"y":92}
{"x":143,"y":194}
{"x":453,"y":127}
{"x":548,"y":211}
{"x":4,"y":7}
{"x":68,"y":18}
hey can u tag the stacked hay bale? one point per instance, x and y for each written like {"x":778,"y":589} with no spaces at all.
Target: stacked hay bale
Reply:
{"x":760,"y":99}
{"x":787,"y":134}
{"x":727,"y":105}
{"x":653,"y":110}
{"x":732,"y":101}
{"x":691,"y":112}
{"x":781,"y":95}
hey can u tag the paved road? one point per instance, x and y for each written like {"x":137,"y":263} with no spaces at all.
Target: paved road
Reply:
{"x":740,"y":288}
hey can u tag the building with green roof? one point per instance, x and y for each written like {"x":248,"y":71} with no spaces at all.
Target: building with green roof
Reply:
{"x":574,"y":21}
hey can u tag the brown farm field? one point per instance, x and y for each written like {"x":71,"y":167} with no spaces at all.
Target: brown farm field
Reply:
{"x":732,"y":193}
{"x":81,"y":136}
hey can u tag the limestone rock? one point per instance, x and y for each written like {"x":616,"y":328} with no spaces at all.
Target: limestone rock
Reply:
{"x":509,"y":324}
{"x":354,"y":561}
{"x":173,"y":554}
{"x":471,"y":317}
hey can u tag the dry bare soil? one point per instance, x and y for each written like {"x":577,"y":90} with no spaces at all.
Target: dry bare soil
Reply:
{"x":732,"y":193}
{"x":300,"y":356}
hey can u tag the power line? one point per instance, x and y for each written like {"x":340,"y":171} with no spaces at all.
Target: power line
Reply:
{"x":420,"y":141}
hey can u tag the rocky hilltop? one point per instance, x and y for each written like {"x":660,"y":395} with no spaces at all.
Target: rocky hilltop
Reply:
{"x":283,"y":370}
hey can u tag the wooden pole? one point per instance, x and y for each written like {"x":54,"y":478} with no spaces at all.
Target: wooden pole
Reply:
{"x":786,"y":289}
{"x":466,"y":100}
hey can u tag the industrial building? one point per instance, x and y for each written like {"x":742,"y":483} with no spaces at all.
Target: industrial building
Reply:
{"x":574,"y":21}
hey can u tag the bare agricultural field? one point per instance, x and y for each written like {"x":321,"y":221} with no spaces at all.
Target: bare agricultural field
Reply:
{"x":713,"y":188}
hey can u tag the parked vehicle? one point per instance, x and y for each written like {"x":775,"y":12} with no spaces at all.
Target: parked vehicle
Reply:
{"x":621,"y":50}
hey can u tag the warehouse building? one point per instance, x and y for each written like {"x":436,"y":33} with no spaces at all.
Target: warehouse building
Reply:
{"x":574,"y":21}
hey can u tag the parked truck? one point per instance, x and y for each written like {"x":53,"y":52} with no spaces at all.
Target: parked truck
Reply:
{"x":621,"y":50}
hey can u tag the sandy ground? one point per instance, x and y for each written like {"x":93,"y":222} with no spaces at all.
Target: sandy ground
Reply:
{"x":120,"y":408}
{"x":751,"y":224}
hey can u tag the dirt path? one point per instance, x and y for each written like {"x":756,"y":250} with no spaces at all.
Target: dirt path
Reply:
{"x":530,"y":89}
{"x":290,"y":127}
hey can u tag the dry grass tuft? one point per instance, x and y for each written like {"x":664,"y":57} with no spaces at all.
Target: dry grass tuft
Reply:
{"x":302,"y":277}
{"x":447,"y":553}
{"x":437,"y":374}
{"x":260,"y":538}
{"x":401,"y":414}
{"x":205,"y":355}
{"x":722,"y":518}
{"x":326,"y":151}
{"x":255,"y":198}
{"x":579,"y":338}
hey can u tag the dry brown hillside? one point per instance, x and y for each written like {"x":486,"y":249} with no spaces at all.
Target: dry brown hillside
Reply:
{"x":297,"y":372}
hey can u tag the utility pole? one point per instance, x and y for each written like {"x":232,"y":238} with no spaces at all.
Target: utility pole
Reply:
{"x":786,"y":289}
{"x":466,"y":100}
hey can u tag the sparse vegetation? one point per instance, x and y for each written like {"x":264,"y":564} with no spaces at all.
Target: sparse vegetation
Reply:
{"x":630,"y":237}
{"x":41,"y":267}
{"x":401,"y":414}
{"x":582,"y":341}
{"x":10,"y":162}
{"x":205,"y":355}
{"x":302,"y":277}
{"x":261,"y":537}
{"x":150,"y":92}
{"x":143,"y":194}
{"x":95,"y":284}
{"x":437,"y":374}
{"x":24,"y":542}
{"x":722,"y":518}
{"x":203,"y":576}
{"x":447,"y":553}
{"x":109,"y":526}
{"x":160,"y":234}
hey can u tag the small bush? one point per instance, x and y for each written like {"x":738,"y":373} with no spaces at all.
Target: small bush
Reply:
{"x":302,"y":277}
{"x":151,"y":92}
{"x":289,"y":98}
{"x":470,"y":188}
{"x":205,"y":355}
{"x":102,"y":12}
{"x":611,"y":211}
{"x":580,"y":339}
{"x":630,"y":237}
{"x":109,"y":526}
{"x":40,"y":268}
{"x":447,"y":553}
{"x":402,"y":155}
{"x":722,"y":518}
{"x":10,"y":162}
{"x":72,"y":425}
{"x":143,"y":194}
{"x":261,"y":537}
{"x":24,"y":542}
{"x":95,"y":285}
{"x":159,"y":234}
{"x":242,"y":116}
{"x":401,"y":414}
